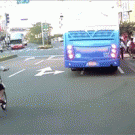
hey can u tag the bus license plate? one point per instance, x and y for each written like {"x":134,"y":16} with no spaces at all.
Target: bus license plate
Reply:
{"x":92,"y":63}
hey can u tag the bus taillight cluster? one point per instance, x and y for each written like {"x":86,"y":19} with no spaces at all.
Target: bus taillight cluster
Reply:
{"x":70,"y":52}
{"x":113,"y":51}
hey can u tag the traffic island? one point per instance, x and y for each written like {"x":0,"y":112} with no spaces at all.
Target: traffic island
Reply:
{"x":7,"y":56}
{"x":45,"y":46}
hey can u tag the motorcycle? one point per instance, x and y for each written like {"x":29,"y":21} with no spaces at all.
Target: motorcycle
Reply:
{"x":3,"y":102}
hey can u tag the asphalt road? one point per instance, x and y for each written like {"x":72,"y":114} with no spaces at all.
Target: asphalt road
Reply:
{"x":46,"y":98}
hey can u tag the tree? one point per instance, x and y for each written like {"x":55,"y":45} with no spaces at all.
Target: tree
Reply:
{"x":127,"y":27}
{"x":58,"y":35}
{"x":34,"y":35}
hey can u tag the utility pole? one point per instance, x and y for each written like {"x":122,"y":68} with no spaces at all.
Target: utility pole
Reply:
{"x":45,"y":27}
{"x":7,"y":21}
{"x":46,"y":31}
{"x":42,"y":34}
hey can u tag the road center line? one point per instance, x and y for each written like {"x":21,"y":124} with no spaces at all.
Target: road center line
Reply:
{"x":17,"y":73}
{"x":121,"y":71}
{"x":39,"y":62}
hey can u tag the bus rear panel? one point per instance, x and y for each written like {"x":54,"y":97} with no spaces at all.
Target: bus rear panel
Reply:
{"x":95,"y":48}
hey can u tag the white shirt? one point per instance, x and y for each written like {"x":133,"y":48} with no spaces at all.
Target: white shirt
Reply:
{"x":128,"y":43}
{"x":122,"y":45}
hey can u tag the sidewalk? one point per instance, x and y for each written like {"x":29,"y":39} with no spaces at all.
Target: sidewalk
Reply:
{"x":5,"y":56}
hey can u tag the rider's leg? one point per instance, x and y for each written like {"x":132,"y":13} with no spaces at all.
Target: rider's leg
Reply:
{"x":2,"y":94}
{"x":121,"y":52}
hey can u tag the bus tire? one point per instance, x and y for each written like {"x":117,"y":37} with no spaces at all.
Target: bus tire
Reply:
{"x":73,"y":69}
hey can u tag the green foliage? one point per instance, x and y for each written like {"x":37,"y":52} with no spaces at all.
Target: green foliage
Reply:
{"x":58,"y":35}
{"x":127,"y":27}
{"x":35,"y":34}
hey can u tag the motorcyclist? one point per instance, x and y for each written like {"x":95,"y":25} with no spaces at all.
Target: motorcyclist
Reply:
{"x":2,"y":90}
{"x":122,"y":48}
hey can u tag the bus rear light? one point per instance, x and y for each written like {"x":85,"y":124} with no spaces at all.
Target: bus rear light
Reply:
{"x":113,"y":50}
{"x":114,"y":46}
{"x":69,"y":51}
{"x":113,"y":55}
{"x":70,"y":56}
{"x":69,"y":47}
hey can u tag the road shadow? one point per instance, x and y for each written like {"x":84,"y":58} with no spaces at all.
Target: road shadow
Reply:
{"x":104,"y":71}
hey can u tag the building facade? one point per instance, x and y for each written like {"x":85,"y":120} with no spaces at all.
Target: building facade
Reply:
{"x":126,"y":10}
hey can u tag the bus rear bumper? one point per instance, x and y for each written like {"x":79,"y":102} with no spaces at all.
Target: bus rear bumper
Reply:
{"x":86,"y":64}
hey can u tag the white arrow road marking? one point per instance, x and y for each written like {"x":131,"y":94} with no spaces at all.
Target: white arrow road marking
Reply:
{"x":17,"y":73}
{"x":42,"y":71}
{"x":48,"y":73}
{"x":121,"y":70}
{"x":29,"y":58}
{"x":39,"y":62}
{"x":58,"y":72}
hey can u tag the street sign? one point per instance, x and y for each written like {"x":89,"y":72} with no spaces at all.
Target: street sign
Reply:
{"x":22,"y":1}
{"x":125,"y":16}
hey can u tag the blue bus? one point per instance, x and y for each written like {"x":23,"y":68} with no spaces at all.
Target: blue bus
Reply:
{"x":93,"y":45}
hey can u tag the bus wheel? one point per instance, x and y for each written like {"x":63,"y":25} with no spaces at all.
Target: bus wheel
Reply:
{"x":73,"y":69}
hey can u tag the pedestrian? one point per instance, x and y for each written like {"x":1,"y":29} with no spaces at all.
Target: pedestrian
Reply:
{"x":122,"y":48}
{"x":128,"y":44}
{"x":132,"y":47}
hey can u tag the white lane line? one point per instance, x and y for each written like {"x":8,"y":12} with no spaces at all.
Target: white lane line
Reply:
{"x":55,"y":59}
{"x":21,"y":50}
{"x":29,"y":58}
{"x":121,"y":71}
{"x":50,"y":57}
{"x":17,"y":73}
{"x":39,"y":62}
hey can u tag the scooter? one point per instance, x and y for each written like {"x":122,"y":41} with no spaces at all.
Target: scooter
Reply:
{"x":3,"y":102}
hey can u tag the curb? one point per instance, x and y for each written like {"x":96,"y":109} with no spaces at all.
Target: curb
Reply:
{"x":3,"y":57}
{"x":44,"y":47}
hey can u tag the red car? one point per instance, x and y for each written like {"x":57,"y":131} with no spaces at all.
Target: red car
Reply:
{"x":17,"y":46}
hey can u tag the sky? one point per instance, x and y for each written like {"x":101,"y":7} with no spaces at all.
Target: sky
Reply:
{"x":48,"y":11}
